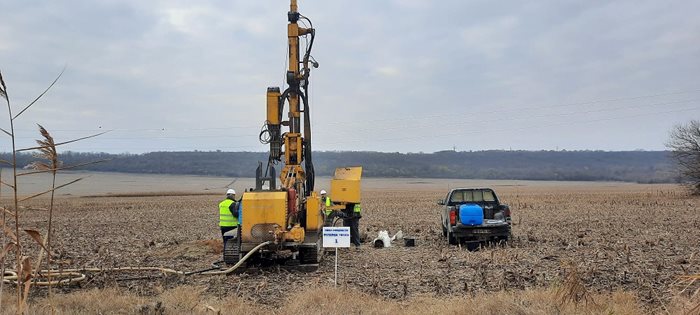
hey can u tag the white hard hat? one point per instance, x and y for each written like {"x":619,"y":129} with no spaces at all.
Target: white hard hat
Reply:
{"x":323,"y":192}
{"x":230,"y":192}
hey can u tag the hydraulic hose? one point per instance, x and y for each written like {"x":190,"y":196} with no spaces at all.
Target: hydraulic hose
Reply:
{"x":311,"y":43}
{"x":76,"y":275}
{"x":309,"y":164}
{"x":238,"y":264}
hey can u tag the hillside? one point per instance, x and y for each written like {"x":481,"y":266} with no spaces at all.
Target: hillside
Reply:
{"x":633,"y":166}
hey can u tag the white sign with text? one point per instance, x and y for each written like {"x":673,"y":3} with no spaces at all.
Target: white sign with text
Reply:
{"x":336,"y":236}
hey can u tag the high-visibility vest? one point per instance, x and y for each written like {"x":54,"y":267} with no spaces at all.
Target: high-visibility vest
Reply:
{"x":329,"y":203}
{"x":357,"y":209}
{"x":226,"y":218}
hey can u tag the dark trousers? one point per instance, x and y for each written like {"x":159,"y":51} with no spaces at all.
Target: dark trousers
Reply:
{"x":225,"y":229}
{"x":354,"y":224}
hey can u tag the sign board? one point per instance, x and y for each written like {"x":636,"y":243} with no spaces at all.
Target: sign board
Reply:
{"x":336,"y":236}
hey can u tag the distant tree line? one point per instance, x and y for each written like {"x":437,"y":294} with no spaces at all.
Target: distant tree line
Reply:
{"x":632,"y":166}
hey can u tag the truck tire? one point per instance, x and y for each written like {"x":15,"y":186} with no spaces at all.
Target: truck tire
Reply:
{"x":506,"y":239}
{"x":451,"y":239}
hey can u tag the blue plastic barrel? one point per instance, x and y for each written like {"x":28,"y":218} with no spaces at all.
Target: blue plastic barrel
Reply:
{"x":471,"y":214}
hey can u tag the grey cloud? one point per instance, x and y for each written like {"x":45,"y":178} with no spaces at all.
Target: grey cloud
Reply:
{"x":394,"y":75}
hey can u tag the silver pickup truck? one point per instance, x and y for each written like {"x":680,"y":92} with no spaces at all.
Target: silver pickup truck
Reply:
{"x":472,"y":216}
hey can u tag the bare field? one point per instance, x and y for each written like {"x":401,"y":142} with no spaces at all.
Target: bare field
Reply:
{"x":618,"y":237}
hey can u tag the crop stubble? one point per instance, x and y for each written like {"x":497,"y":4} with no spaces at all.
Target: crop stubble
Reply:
{"x":635,"y":238}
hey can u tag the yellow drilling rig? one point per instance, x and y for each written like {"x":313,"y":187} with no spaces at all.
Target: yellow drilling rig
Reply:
{"x":288,"y":217}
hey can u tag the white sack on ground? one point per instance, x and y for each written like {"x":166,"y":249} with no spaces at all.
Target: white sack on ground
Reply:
{"x":383,"y":239}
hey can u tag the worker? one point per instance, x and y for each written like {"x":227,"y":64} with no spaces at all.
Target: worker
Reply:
{"x":228,"y":212}
{"x":326,"y":204}
{"x":352,"y":219}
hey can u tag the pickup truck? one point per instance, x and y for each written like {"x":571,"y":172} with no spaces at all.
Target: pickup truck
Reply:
{"x":473,"y":216}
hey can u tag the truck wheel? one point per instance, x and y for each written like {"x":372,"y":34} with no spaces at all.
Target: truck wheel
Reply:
{"x":472,"y":246}
{"x":451,"y":239}
{"x":506,"y":239}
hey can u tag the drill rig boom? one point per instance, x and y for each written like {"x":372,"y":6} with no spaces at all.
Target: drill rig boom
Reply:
{"x":294,"y":146}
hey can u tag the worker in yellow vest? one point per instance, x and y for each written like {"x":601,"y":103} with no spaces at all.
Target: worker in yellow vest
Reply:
{"x":353,"y":213}
{"x":327,"y":203}
{"x":228,"y":212}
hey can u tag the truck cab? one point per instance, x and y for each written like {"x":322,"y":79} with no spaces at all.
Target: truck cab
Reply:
{"x":473,"y":216}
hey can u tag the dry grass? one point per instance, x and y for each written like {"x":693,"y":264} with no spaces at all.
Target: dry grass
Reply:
{"x":572,"y":289}
{"x":685,"y":305}
{"x":328,"y":300}
{"x":91,"y":301}
{"x":535,"y":301}
{"x":687,"y":299}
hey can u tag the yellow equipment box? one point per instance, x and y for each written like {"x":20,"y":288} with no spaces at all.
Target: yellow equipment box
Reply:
{"x":263,"y":212}
{"x":345,"y":185}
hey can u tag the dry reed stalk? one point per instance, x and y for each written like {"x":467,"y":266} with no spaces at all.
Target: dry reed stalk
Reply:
{"x":3,"y":94}
{"x":46,"y":152}
{"x":2,"y":248}
{"x":18,"y":244}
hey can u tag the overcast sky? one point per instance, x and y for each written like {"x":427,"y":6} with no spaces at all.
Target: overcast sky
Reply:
{"x":402,"y":75}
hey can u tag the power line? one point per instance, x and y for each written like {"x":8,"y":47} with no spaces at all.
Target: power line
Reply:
{"x":235,"y":124}
{"x":496,"y":111}
{"x":458,"y":118}
{"x":491,"y":130}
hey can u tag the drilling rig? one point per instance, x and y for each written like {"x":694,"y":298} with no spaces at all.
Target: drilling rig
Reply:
{"x":287,"y":215}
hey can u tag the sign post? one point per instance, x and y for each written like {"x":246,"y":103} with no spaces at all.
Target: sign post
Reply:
{"x":335,"y":237}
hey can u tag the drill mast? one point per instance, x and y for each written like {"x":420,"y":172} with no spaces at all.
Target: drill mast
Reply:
{"x":295,"y":144}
